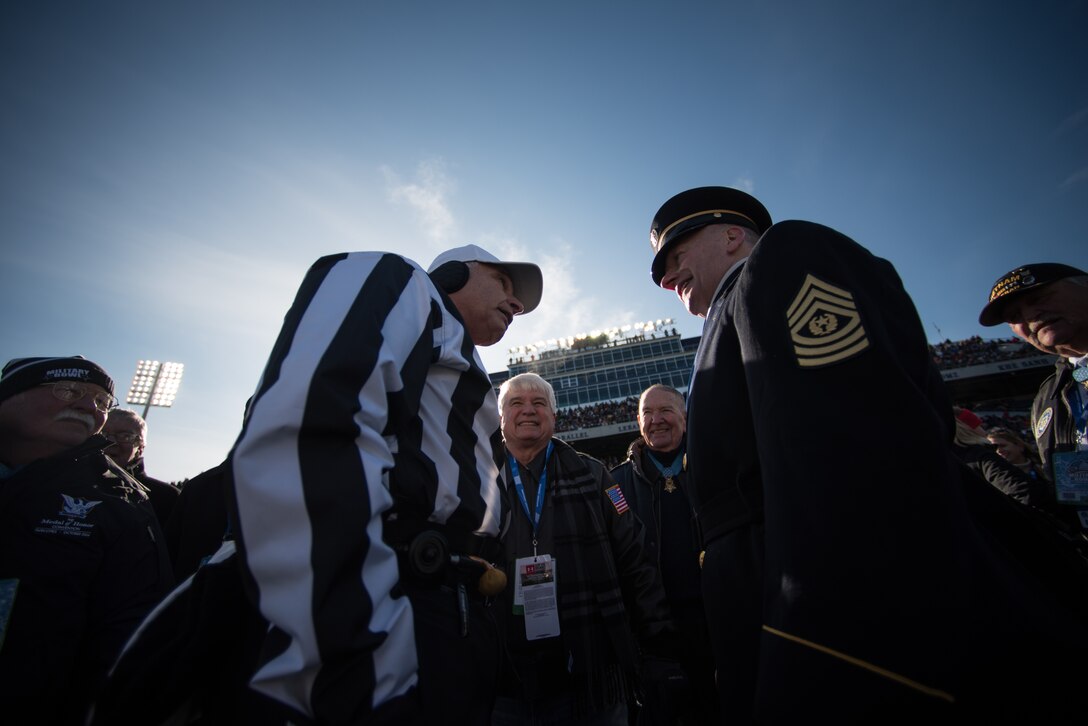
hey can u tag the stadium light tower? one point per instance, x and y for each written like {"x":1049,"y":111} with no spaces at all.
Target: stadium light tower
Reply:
{"x":155,"y":384}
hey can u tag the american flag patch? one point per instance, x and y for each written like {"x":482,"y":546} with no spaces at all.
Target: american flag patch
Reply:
{"x":616,"y":495}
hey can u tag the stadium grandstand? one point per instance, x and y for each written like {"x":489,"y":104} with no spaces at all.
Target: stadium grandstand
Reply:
{"x":598,"y":377}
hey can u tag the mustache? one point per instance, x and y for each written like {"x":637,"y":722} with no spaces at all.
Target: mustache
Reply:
{"x":84,"y":418}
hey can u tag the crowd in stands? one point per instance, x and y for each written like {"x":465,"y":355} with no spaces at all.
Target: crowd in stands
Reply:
{"x":1018,"y":421}
{"x":597,"y":414}
{"x":976,"y":351}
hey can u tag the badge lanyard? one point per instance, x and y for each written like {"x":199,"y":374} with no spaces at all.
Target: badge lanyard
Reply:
{"x":1080,"y":414}
{"x":534,"y":517}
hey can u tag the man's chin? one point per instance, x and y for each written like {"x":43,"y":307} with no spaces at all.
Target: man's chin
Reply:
{"x":490,"y":340}
{"x":693,"y":309}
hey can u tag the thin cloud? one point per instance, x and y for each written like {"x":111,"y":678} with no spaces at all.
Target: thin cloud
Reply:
{"x":428,"y":197}
{"x":745,"y":184}
{"x":231,"y":294}
{"x":565,"y":309}
{"x":1076,"y":177}
{"x":1072,"y":121}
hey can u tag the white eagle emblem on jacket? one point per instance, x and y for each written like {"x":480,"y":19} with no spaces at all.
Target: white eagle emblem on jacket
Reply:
{"x":76,"y":507}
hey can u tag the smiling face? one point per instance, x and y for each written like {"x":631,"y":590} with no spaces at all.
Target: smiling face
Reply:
{"x":696,"y":264}
{"x":35,"y":423}
{"x":1053,"y":318}
{"x":528,"y":420}
{"x":661,"y":419}
{"x":487,"y":303}
{"x":1008,"y":449}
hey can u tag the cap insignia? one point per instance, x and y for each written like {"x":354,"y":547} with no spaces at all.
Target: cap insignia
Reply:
{"x":1012,"y":282}
{"x":824,"y":324}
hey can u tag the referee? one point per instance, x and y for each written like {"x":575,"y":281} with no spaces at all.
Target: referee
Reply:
{"x":366,"y":469}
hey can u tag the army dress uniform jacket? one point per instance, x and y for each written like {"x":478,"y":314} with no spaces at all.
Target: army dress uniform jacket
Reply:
{"x":83,"y":545}
{"x":881,"y":589}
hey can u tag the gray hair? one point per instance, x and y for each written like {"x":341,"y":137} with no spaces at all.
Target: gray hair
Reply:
{"x":528,"y":382}
{"x":130,"y":414}
{"x":667,"y":389}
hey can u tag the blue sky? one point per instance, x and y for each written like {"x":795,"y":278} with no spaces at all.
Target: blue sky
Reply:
{"x":170,"y":170}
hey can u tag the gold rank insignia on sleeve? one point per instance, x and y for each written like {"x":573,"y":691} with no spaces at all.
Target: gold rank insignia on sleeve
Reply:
{"x":824,"y":323}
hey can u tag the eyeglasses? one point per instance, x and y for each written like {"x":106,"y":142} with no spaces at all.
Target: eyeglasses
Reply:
{"x":124,"y":437}
{"x":69,"y":392}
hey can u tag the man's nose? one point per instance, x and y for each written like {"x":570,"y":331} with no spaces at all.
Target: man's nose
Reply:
{"x":86,"y":403}
{"x":668,"y":281}
{"x":516,"y":305}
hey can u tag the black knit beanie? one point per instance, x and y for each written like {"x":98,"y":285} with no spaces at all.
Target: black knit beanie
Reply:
{"x":21,"y":374}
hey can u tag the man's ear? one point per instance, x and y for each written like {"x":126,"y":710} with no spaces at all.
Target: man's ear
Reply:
{"x":734,"y":238}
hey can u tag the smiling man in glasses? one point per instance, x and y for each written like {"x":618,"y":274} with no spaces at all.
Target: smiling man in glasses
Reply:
{"x":81,"y":554}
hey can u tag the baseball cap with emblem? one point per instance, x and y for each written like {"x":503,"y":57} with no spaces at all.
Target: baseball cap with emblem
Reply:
{"x":21,"y":374}
{"x":699,"y":207}
{"x":1019,"y":281}
{"x":525,"y":276}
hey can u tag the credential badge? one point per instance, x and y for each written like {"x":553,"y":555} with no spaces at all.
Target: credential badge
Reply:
{"x":1043,"y":421}
{"x":824,"y":324}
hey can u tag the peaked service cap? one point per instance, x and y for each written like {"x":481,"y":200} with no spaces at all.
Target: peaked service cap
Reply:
{"x":699,"y":207}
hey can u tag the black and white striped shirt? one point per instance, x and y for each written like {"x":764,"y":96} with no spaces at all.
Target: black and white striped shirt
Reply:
{"x":374,"y":397}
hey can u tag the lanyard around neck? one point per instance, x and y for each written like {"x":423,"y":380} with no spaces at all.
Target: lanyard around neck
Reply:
{"x":673,"y":469}
{"x":534,"y":516}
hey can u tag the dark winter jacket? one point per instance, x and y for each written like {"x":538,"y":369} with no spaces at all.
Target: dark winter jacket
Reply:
{"x":83,"y":556}
{"x":608,"y":588}
{"x":1052,"y":415}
